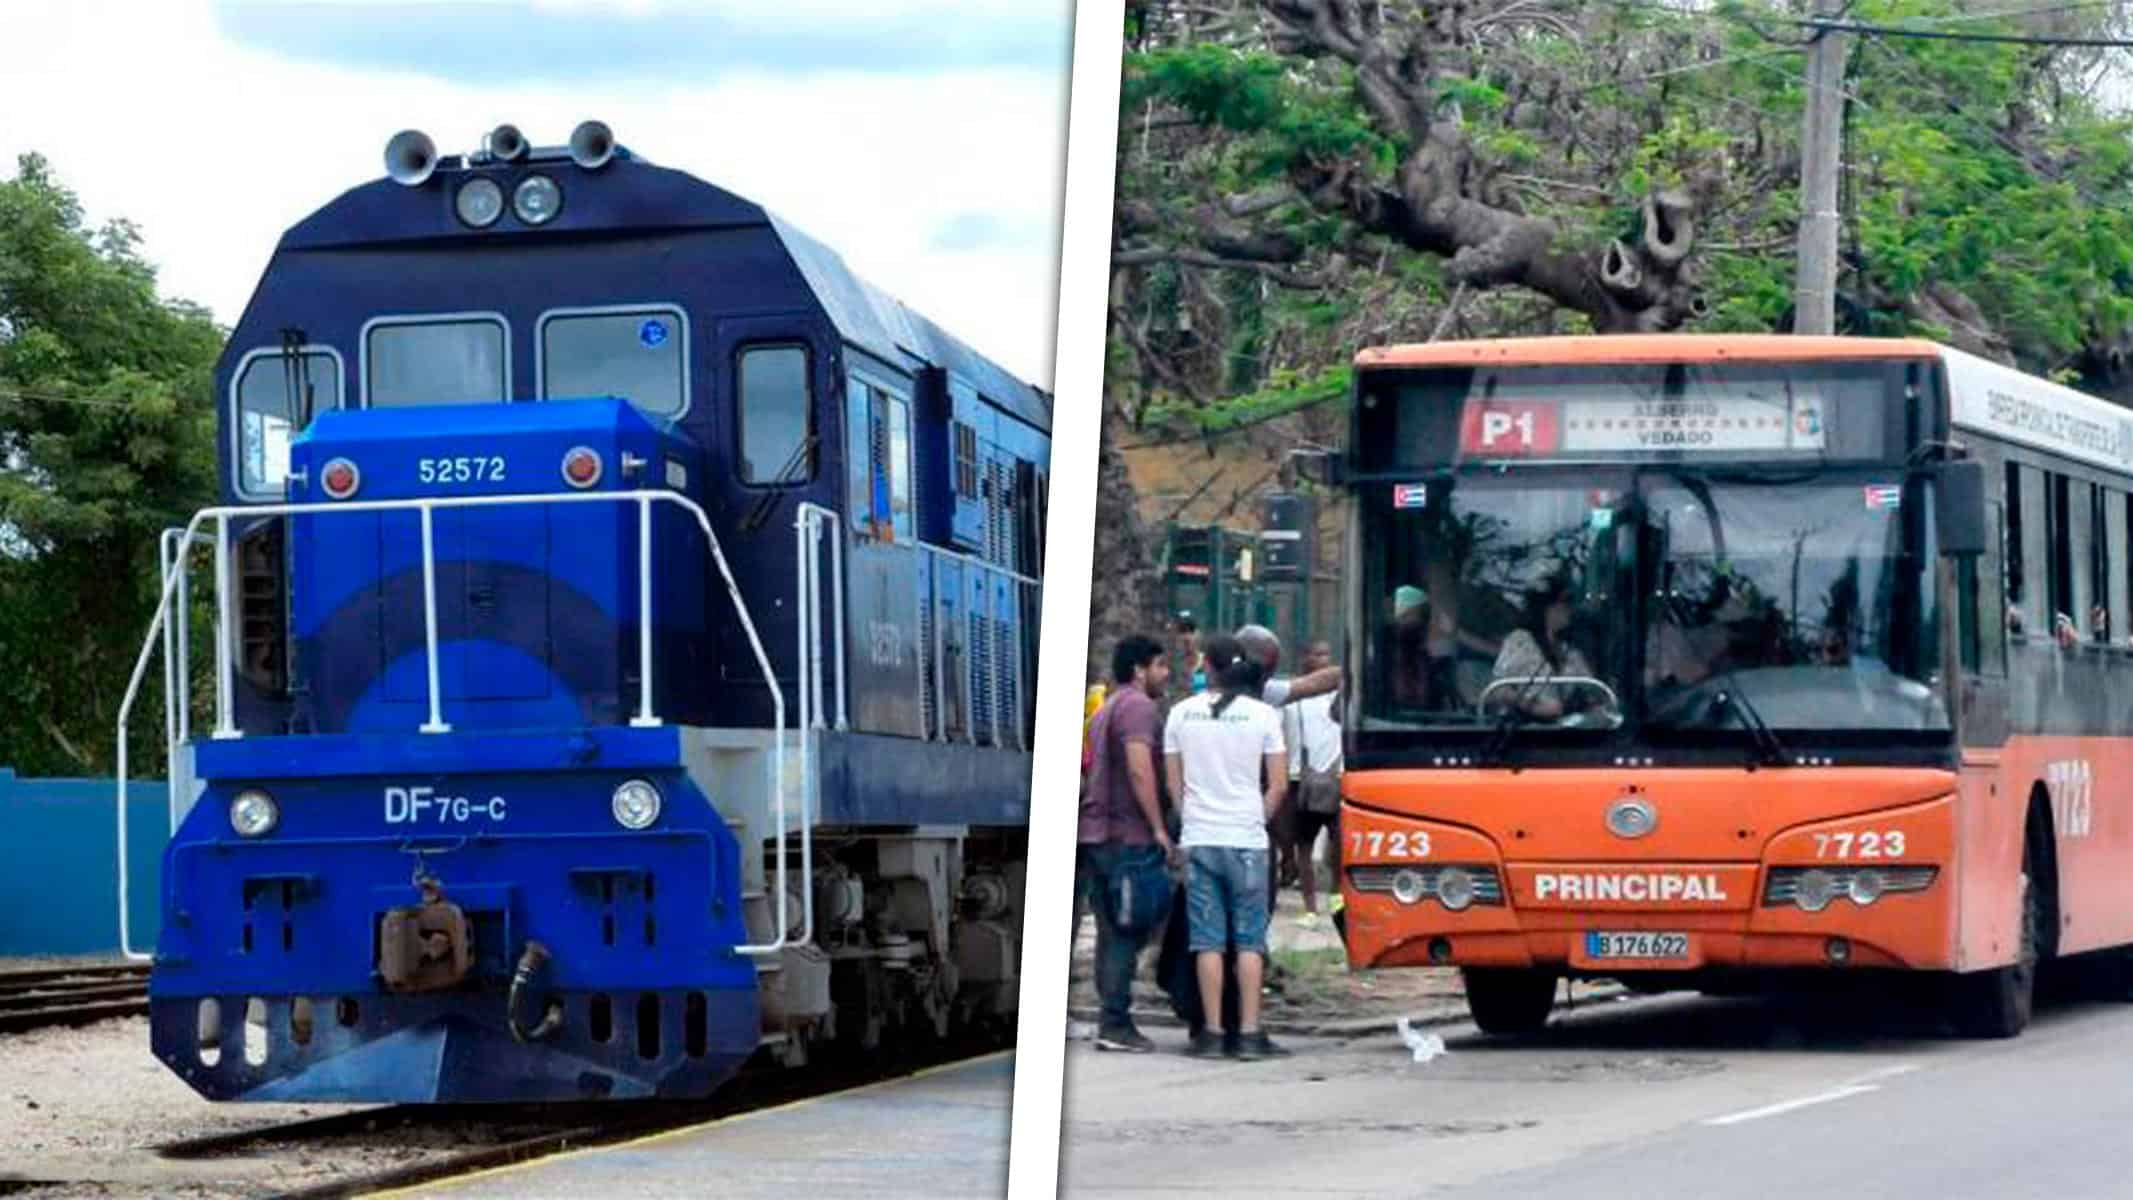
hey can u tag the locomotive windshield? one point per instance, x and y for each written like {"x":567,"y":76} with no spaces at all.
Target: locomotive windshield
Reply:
{"x":1764,"y":577}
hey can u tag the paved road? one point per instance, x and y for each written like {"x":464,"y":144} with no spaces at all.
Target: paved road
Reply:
{"x":1670,"y":1096}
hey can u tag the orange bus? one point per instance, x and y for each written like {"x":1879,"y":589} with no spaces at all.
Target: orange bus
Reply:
{"x":1694,"y":660}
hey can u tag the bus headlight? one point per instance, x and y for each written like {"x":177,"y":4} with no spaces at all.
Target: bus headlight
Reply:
{"x":636,"y":804}
{"x":253,"y":813}
{"x":1456,"y":887}
{"x":1865,"y":887}
{"x":1408,"y":886}
{"x":1813,"y":889}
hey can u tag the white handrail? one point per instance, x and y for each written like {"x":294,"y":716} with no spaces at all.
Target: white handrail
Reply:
{"x":644,"y":718}
{"x":809,"y":517}
{"x":429,"y":625}
{"x":225,"y":726}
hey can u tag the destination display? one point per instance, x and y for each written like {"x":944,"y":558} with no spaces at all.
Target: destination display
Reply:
{"x":1835,"y":412}
{"x":1722,"y":424}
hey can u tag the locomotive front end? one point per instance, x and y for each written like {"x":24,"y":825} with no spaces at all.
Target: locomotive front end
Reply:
{"x":621,"y":621}
{"x":393,"y":903}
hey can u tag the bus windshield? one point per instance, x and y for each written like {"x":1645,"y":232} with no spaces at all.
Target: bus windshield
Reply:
{"x":1801,"y":596}
{"x":1667,"y":603}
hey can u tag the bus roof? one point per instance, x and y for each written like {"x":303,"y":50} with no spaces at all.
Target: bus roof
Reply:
{"x":1602,"y":349}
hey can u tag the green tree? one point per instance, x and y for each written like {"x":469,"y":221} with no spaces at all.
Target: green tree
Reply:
{"x":106,"y":438}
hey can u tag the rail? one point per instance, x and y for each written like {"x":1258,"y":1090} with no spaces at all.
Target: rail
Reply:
{"x":173,"y":633}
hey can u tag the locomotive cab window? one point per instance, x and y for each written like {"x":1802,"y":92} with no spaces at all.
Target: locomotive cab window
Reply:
{"x":274,"y":394}
{"x":776,"y":414}
{"x":901,"y":518}
{"x":436,"y":360}
{"x":640,"y":355}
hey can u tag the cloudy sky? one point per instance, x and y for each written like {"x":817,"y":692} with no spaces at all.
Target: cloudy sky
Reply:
{"x":923,"y":139}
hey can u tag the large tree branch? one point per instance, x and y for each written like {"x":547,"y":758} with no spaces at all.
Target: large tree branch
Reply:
{"x":1146,"y":255}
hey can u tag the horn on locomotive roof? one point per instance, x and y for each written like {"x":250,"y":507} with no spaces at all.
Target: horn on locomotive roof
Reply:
{"x":592,"y":144}
{"x":507,"y":143}
{"x":410,"y":157}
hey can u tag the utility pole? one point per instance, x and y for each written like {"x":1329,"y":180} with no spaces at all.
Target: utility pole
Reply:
{"x":1814,"y":293}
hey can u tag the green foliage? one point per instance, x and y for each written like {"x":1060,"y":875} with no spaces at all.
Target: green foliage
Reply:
{"x":1286,"y":391}
{"x":1286,"y":118}
{"x":2000,"y":173}
{"x":106,"y":438}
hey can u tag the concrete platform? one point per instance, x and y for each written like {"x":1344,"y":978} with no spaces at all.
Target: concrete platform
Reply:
{"x":941,"y":1132}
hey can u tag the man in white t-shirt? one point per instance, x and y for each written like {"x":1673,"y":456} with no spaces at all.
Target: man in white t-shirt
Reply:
{"x":1218,"y":747}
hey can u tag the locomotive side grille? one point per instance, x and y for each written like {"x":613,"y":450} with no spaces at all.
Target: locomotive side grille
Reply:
{"x":929,"y":712}
{"x":999,"y":514}
{"x":981,"y":657}
{"x":1003,"y":660}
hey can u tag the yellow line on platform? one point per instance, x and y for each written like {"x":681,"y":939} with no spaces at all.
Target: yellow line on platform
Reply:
{"x":648,"y":1139}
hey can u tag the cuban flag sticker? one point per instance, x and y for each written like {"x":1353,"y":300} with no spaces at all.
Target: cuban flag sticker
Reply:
{"x":1882,"y":497}
{"x":1410,"y":495}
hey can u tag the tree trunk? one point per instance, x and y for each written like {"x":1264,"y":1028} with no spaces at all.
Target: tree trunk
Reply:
{"x":1126,"y":596}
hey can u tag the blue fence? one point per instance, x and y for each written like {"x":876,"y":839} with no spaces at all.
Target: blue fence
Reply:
{"x":59,"y":863}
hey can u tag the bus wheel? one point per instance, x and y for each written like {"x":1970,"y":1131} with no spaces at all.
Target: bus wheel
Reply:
{"x":1997,"y":1003}
{"x":1509,"y":1001}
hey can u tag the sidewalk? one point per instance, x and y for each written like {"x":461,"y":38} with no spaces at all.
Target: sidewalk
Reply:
{"x":1310,"y":989}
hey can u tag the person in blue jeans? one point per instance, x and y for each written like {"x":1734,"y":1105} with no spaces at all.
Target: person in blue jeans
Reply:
{"x":1124,"y":844}
{"x":1227,"y":763}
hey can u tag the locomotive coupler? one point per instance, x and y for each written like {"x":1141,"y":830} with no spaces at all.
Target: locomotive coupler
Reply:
{"x":428,"y":946}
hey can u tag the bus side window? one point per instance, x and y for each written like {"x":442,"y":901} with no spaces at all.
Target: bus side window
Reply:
{"x":1994,"y":631}
{"x":2035,"y":585}
{"x":2114,"y":553}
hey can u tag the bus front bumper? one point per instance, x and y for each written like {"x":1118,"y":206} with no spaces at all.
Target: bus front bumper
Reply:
{"x":1626,"y":917}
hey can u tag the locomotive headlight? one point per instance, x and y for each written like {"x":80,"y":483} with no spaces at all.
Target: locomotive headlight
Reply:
{"x":479,"y":202}
{"x":537,"y":200}
{"x":253,"y":813}
{"x":636,"y":804}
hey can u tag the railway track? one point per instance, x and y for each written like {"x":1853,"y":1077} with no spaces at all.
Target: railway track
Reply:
{"x":70,"y":996}
{"x":469,"y":1138}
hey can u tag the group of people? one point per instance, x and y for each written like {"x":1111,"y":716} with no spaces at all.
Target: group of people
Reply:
{"x":1212,"y":818}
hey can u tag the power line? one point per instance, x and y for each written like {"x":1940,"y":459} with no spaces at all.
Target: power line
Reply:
{"x":2045,"y":11}
{"x":1944,"y":35}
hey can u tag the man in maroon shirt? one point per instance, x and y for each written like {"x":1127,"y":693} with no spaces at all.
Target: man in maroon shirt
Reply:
{"x":1123,"y":837}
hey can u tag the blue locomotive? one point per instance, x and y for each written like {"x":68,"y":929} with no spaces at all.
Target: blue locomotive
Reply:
{"x":623,"y":620}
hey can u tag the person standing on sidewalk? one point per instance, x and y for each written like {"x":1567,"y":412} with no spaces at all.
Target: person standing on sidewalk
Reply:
{"x":1123,"y":839}
{"x":1314,"y":800}
{"x":1218,"y":747}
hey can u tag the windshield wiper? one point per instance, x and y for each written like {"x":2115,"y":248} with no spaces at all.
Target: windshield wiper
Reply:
{"x":1508,"y":724}
{"x":1729,"y":691}
{"x":1771,"y":750}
